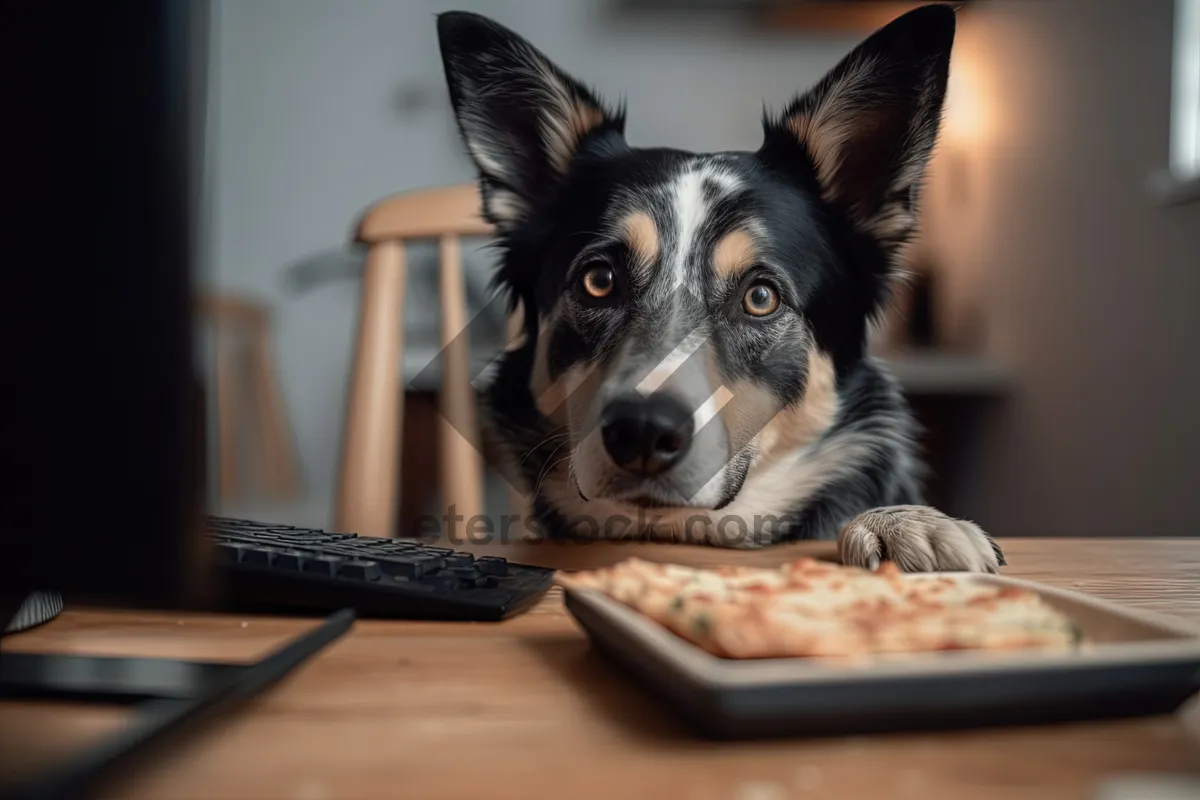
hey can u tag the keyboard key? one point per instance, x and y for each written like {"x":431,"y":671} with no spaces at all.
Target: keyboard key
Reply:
{"x":359,"y":570}
{"x":230,"y":552}
{"x":383,"y":546}
{"x":460,"y":560}
{"x":302,"y":538}
{"x":350,"y":550}
{"x":396,"y":550}
{"x":440,"y":552}
{"x":241,"y":524}
{"x":467,"y":576}
{"x":259,"y":556}
{"x":490,"y":565}
{"x":290,"y":560}
{"x":323,"y":565}
{"x":441,"y":582}
{"x":409,"y":566}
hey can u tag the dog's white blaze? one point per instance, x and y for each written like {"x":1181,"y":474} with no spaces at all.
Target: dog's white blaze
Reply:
{"x":722,"y":177}
{"x":666,"y":368}
{"x":690,"y":212}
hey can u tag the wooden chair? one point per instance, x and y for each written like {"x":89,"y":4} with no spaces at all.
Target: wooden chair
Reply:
{"x":369,"y":478}
{"x":245,"y":372}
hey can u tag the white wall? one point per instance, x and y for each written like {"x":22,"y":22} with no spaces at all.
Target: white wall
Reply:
{"x":306,"y":130}
{"x":1076,"y":277}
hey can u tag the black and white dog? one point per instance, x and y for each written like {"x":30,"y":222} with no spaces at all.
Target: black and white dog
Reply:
{"x":693,"y":361}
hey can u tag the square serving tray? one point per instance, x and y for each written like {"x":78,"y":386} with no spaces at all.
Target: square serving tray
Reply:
{"x":1133,"y":664}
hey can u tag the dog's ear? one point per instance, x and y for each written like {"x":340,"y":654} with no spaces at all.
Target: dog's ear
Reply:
{"x":869,"y":127}
{"x":521,"y":117}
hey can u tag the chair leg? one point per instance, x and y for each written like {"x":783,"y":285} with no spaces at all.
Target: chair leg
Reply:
{"x":227,"y":414}
{"x":368,"y":483}
{"x":462,"y":463}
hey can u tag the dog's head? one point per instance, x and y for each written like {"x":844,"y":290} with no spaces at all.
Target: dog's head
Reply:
{"x":689,"y":315}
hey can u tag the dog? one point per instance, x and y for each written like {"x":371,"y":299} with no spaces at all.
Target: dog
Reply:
{"x":692,"y":362}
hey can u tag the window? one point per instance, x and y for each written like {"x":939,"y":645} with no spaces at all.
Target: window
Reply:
{"x":1185,"y":101}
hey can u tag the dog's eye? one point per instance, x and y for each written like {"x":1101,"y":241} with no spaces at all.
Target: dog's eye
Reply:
{"x":760,"y":300}
{"x":599,"y":281}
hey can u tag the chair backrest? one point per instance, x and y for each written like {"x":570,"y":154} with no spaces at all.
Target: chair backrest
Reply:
{"x":368,"y":484}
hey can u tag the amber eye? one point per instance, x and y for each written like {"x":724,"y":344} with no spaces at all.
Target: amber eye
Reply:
{"x":599,"y":281}
{"x":760,"y":300}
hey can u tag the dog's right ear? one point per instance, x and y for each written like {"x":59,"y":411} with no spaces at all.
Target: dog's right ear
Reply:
{"x":522,"y":118}
{"x":869,"y":127}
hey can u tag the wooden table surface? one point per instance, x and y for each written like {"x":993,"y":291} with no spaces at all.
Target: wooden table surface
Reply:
{"x":526,"y":709}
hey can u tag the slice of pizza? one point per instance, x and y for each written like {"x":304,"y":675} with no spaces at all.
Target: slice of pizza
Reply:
{"x":809,"y":608}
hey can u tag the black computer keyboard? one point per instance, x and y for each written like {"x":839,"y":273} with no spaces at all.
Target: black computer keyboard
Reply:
{"x":266,"y":565}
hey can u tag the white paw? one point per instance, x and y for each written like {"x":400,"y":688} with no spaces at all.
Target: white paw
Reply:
{"x":917,"y":539}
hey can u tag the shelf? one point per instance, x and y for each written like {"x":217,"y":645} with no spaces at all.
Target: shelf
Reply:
{"x":819,"y":17}
{"x":836,"y":16}
{"x":931,"y":373}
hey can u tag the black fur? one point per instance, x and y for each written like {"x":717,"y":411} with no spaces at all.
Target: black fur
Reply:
{"x":830,"y":196}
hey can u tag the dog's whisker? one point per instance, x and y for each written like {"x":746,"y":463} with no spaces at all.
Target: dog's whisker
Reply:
{"x":550,"y":458}
{"x":549,"y":468}
{"x":558,"y":433}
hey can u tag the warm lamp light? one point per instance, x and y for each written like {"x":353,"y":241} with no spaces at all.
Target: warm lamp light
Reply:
{"x":965,"y":118}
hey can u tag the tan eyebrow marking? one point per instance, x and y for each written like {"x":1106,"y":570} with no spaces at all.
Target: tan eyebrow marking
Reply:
{"x":642,"y":236}
{"x":733,"y":254}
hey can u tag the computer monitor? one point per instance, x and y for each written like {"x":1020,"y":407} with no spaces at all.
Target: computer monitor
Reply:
{"x":102,"y":412}
{"x":105,"y":487}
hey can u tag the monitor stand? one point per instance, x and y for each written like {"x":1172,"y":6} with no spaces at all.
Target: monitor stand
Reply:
{"x":164,"y":694}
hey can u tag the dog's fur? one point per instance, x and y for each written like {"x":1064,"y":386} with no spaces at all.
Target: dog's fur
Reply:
{"x":799,"y":434}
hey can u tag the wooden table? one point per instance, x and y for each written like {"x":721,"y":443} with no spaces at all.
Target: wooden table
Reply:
{"x":526,"y":709}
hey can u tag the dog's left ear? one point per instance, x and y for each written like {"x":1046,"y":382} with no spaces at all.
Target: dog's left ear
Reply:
{"x":522,"y":118}
{"x":869,"y":127}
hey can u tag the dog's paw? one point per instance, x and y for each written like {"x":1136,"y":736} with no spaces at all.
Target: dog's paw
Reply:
{"x":917,"y":539}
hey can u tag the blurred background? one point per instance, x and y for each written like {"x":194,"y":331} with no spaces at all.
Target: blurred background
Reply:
{"x":1047,"y":339}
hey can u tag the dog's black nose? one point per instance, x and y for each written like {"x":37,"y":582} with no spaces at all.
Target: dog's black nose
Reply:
{"x":646,"y":435}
